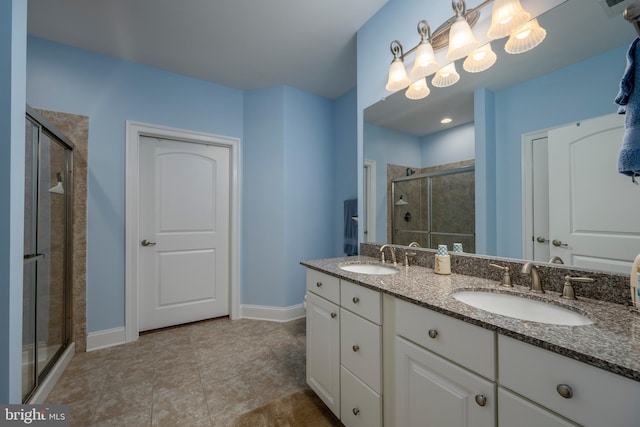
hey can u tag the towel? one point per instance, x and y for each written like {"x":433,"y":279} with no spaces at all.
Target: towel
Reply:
{"x":628,"y":99}
{"x":351,"y":227}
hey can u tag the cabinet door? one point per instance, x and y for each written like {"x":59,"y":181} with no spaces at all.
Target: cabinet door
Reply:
{"x":431,"y":391}
{"x":516,"y":411}
{"x":323,"y":350}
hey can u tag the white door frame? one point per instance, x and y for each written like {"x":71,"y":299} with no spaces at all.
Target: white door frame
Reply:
{"x":527,"y":189}
{"x":133,"y":132}
{"x":370,"y":208}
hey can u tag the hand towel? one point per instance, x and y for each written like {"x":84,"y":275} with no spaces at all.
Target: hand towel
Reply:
{"x":351,"y":227}
{"x":628,"y":98}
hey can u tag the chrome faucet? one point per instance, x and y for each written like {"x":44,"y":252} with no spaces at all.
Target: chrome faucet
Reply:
{"x":532,"y":271}
{"x":506,"y":277}
{"x":567,"y":289}
{"x":393,"y":253}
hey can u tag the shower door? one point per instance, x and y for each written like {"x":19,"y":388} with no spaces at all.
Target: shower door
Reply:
{"x":45,"y":328}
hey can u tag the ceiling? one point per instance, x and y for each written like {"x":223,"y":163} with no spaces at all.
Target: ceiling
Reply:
{"x":243,"y":44}
{"x":576,"y":30}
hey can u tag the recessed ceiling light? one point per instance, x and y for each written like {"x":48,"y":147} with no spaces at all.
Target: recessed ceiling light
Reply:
{"x":446,"y":120}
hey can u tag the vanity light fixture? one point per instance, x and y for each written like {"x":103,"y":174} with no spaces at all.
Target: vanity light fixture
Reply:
{"x":446,"y":76}
{"x":525,"y":38}
{"x":508,"y":18}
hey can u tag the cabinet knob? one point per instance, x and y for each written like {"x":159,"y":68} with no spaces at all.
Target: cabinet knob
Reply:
{"x":318,"y":284}
{"x":481,"y":399}
{"x":433,"y":333}
{"x":564,"y":391}
{"x":333,"y":315}
{"x":355,"y":300}
{"x":355,"y":411}
{"x":355,"y":348}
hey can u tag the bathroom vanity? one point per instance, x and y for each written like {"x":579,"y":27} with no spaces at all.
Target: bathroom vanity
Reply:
{"x":397,"y":349}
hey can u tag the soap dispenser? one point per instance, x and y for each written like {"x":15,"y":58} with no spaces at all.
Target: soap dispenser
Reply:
{"x":443,"y":261}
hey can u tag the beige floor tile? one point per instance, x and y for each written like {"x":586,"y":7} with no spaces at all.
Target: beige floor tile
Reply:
{"x":203,"y":374}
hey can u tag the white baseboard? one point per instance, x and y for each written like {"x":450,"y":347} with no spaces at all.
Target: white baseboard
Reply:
{"x":106,"y":338}
{"x":274,"y":314}
{"x":54,"y":375}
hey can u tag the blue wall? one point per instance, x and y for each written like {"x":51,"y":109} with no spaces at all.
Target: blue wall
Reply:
{"x":448,"y":146}
{"x":346,"y":170}
{"x":111,"y":91}
{"x":308,"y":187}
{"x":13,"y":36}
{"x":581,"y":91}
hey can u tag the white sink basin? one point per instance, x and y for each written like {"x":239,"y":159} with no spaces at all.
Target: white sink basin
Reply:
{"x":522,"y":308}
{"x":369,"y":269}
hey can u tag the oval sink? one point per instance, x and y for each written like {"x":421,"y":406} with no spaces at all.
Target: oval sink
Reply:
{"x":369,"y":269}
{"x":522,"y":308}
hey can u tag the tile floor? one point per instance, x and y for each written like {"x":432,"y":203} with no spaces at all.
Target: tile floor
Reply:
{"x":202,"y":374}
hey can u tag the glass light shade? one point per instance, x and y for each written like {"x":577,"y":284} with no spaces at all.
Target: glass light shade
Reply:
{"x":461,"y":40}
{"x":397,"y":76}
{"x":480,"y":59}
{"x":525,"y":38}
{"x":507,"y":15}
{"x":446,"y":76}
{"x":425,"y":63}
{"x":418,"y":89}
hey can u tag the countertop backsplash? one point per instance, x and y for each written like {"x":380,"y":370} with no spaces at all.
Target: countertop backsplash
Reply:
{"x":609,"y":287}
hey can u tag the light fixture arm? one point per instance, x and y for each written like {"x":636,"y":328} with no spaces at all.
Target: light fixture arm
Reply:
{"x":396,"y":50}
{"x":424,"y":30}
{"x":459,"y":8}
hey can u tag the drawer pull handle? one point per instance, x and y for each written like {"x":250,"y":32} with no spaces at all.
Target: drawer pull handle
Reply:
{"x":333,"y":315}
{"x":564,"y":391}
{"x":355,"y":348}
{"x":318,"y":284}
{"x":433,"y":333}
{"x":355,"y":300}
{"x":481,"y":399}
{"x":355,"y":411}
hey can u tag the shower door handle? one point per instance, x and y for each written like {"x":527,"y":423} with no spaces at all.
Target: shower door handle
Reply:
{"x":145,"y":242}
{"x":33,"y":256}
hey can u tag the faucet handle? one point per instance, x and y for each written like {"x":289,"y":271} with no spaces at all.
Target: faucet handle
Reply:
{"x":567,"y":290}
{"x":506,"y":276}
{"x":408,"y":255}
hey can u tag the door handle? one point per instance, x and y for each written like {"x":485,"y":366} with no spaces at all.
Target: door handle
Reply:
{"x":557,"y":242}
{"x":541,"y":239}
{"x":145,"y":242}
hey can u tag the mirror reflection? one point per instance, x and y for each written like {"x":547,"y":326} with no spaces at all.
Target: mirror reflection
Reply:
{"x":402,"y":134}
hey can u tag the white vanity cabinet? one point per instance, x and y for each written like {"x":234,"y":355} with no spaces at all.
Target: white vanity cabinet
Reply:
{"x":444,"y":370}
{"x":584,"y":394}
{"x":323,"y":338}
{"x":344,"y":343}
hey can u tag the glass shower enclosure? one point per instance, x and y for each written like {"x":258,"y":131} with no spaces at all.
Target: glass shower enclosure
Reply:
{"x":435,"y":208}
{"x":47,"y":250}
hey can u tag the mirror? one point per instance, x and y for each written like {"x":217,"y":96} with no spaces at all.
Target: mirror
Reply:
{"x":394,"y":126}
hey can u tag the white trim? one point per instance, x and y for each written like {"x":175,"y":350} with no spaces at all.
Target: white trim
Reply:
{"x":370,"y":208}
{"x":274,"y":314}
{"x":106,"y":338}
{"x":133,"y":132}
{"x":54,"y":375}
{"x":527,"y":190}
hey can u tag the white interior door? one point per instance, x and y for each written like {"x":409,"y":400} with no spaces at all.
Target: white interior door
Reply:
{"x":593,"y":210}
{"x":184,"y":232}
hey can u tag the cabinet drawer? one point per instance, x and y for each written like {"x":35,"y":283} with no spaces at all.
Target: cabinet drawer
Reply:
{"x":600,"y":398}
{"x":360,"y":348}
{"x":324,"y":285}
{"x":361,"y":406}
{"x":468,"y":345}
{"x":516,"y":411}
{"x":363,"y":301}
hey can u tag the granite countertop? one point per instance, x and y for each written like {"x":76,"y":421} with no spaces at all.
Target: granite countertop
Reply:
{"x":611,"y":343}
